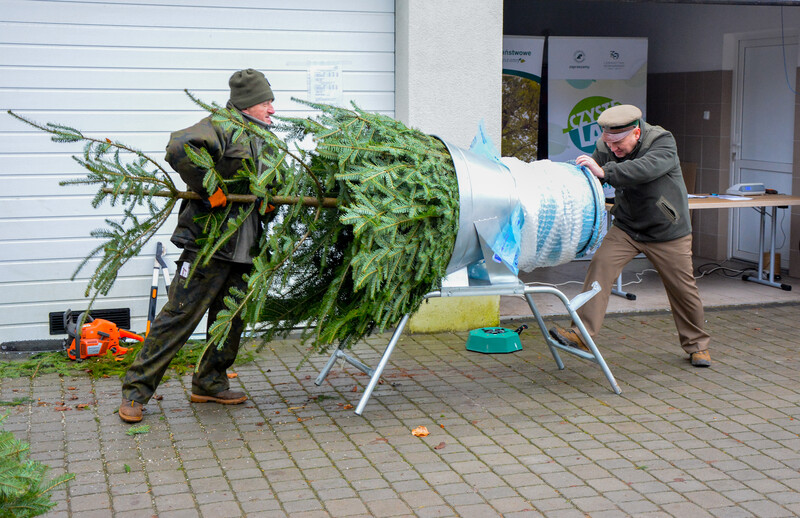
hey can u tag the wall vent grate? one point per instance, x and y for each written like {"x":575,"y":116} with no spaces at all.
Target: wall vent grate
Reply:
{"x":120,"y":316}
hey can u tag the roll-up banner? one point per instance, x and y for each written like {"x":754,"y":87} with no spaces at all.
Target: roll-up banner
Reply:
{"x":522,"y":86}
{"x":586,"y":76}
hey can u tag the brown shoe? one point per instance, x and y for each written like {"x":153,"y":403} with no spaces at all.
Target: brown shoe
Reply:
{"x":226,"y":397}
{"x":701,"y":359}
{"x":568,"y":337}
{"x":130,"y":411}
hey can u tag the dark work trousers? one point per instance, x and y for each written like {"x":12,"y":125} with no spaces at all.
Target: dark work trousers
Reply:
{"x":672,"y":260}
{"x":174,"y":325}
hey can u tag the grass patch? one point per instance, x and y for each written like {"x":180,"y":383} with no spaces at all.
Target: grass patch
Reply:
{"x":323,"y":397}
{"x":109,"y":365}
{"x":16,"y":401}
{"x":138,"y":430}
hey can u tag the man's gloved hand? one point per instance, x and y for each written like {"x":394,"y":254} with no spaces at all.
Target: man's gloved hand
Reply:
{"x":217,"y":199}
{"x":265,"y":208}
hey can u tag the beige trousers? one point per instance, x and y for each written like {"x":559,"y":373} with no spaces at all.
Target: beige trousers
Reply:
{"x":672,"y":260}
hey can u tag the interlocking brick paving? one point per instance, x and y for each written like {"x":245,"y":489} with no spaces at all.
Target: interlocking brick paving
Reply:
{"x":510,"y":434}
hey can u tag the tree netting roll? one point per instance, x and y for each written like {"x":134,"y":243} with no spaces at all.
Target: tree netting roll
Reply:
{"x":564,"y":210}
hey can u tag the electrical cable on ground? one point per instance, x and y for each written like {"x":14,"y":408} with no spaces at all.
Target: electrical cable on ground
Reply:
{"x":640,"y":275}
{"x":718,"y":267}
{"x":639,"y":279}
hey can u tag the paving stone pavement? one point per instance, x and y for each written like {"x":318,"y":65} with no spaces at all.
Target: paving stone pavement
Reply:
{"x":510,"y":434}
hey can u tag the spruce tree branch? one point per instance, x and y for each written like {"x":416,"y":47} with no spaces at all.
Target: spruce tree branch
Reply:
{"x":356,"y":269}
{"x":333,"y":296}
{"x":243,"y":303}
{"x":170,"y":192}
{"x":52,"y":484}
{"x":118,"y":248}
{"x":63,"y":132}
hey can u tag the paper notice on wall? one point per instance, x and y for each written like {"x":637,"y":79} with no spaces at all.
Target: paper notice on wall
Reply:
{"x":325,"y":84}
{"x":585,"y":77}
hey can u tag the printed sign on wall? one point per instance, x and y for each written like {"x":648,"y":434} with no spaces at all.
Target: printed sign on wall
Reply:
{"x":325,"y":84}
{"x":522,"y":86}
{"x":586,"y":76}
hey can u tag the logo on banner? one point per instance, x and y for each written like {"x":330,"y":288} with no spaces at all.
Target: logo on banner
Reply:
{"x":613,"y":63}
{"x":515,"y":56}
{"x":582,"y":121}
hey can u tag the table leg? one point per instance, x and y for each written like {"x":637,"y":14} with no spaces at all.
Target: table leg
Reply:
{"x":619,"y":292}
{"x":768,"y":279}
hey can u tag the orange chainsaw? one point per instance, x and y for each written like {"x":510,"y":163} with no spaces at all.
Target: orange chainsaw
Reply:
{"x":97,"y":337}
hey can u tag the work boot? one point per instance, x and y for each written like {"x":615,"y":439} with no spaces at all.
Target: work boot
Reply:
{"x":701,"y":358}
{"x":226,"y":397}
{"x":569,"y":338}
{"x":130,"y":411}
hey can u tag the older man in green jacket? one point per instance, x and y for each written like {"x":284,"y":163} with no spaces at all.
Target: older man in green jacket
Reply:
{"x":252,"y":96}
{"x":651,"y":216}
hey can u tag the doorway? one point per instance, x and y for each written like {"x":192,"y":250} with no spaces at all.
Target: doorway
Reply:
{"x":763,"y":136}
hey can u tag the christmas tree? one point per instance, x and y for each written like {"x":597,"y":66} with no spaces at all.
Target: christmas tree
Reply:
{"x":365,"y":228}
{"x":24,"y":491}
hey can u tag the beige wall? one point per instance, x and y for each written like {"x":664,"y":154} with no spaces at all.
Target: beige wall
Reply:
{"x":449,"y":67}
{"x":677,"y":101}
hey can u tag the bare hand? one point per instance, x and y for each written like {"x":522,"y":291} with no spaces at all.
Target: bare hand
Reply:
{"x":590,"y":164}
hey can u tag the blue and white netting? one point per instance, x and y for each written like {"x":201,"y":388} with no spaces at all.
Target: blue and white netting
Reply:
{"x":564,"y":209}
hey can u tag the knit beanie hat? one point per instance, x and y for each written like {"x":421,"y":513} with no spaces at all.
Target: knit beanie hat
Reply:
{"x":248,"y":88}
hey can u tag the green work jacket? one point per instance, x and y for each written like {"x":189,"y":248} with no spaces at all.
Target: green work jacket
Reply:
{"x":227,"y":156}
{"x":650,"y":203}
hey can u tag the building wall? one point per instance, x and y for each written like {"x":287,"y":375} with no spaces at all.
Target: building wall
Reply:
{"x":118,"y":70}
{"x":794,"y":246}
{"x":692,"y":55}
{"x":677,"y":101}
{"x":449,"y":67}
{"x":684,"y":36}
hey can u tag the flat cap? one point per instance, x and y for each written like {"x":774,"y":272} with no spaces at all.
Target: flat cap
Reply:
{"x":619,"y":117}
{"x":619,"y":121}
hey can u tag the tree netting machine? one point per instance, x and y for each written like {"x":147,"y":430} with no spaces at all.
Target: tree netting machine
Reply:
{"x":513,"y":216}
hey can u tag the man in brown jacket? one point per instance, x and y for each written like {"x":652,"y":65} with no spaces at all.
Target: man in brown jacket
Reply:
{"x":651,"y":216}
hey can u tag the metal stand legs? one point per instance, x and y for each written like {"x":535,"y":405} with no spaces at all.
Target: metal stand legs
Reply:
{"x":375,"y":375}
{"x":572,"y":306}
{"x":555,"y":347}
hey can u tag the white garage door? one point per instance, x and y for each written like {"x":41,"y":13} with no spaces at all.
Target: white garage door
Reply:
{"x":114,"y":69}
